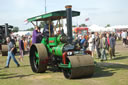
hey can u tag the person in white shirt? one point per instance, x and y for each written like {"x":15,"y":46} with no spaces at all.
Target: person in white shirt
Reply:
{"x":91,"y":45}
{"x":124,"y":37}
{"x":93,"y":35}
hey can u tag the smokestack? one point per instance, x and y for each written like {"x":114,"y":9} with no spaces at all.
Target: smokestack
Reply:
{"x":6,"y":29}
{"x":69,"y":22}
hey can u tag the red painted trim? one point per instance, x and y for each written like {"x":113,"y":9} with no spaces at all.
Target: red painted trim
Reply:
{"x":52,"y":41}
{"x":64,"y":57}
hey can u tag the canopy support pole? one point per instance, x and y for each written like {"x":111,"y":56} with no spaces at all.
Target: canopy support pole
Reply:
{"x":49,"y":28}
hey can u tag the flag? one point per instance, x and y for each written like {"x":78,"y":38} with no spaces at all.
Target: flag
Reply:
{"x":26,"y":22}
{"x":87,"y":19}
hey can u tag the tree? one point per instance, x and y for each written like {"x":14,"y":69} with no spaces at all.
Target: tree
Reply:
{"x":83,"y":25}
{"x":30,"y":29}
{"x":41,"y":25}
{"x":108,"y":25}
{"x":15,"y":29}
{"x":74,"y":26}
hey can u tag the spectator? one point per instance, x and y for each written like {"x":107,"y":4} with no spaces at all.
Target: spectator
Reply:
{"x":11,"y":47}
{"x":112,"y":46}
{"x":108,"y":41}
{"x":83,"y":44}
{"x":97,"y":44}
{"x":93,"y":35}
{"x":119,"y":35}
{"x":21,"y":48}
{"x":76,"y":43}
{"x":124,"y":37}
{"x":25,"y":44}
{"x":91,"y":45}
{"x":29,"y":43}
{"x":103,"y":42}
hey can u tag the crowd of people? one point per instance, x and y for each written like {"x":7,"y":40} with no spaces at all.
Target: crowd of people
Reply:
{"x":101,"y":44}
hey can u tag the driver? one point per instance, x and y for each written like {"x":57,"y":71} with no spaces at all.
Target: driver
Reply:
{"x":36,"y":33}
{"x":46,"y":30}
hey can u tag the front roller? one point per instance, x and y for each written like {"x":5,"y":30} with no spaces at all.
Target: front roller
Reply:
{"x":81,"y":66}
{"x":38,"y":58}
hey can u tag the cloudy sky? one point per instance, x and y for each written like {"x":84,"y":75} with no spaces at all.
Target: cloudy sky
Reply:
{"x":100,"y":12}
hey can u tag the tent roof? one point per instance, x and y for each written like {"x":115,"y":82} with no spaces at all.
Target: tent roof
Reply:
{"x":96,"y":28}
{"x":22,"y":33}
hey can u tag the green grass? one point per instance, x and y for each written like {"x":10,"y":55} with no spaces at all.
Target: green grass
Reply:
{"x":111,"y":72}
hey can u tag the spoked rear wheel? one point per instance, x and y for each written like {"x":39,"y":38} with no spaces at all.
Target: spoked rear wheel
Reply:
{"x":38,"y":58}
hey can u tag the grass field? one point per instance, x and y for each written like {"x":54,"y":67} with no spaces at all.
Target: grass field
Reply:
{"x":111,"y":72}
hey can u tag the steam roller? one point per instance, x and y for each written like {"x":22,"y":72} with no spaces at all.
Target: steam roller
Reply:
{"x":58,"y":52}
{"x":72,"y":65}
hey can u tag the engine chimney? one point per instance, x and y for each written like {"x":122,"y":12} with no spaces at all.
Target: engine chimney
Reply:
{"x":69,"y":22}
{"x":6,"y":29}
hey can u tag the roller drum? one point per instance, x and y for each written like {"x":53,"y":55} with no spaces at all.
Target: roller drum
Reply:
{"x":81,"y":66}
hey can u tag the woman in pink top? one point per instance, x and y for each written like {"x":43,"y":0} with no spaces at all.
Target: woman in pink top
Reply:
{"x":108,"y":39}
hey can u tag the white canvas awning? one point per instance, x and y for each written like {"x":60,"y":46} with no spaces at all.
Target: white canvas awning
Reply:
{"x":96,"y":28}
{"x":21,"y":33}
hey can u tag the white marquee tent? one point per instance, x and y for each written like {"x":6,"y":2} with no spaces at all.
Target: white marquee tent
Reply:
{"x":97,"y":28}
{"x":113,"y":28}
{"x":20,"y":33}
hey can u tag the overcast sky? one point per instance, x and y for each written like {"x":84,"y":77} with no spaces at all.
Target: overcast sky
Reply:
{"x":100,"y":12}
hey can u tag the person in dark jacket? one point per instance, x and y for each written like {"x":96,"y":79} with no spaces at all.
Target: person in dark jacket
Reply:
{"x":47,"y":29}
{"x":83,"y":44}
{"x":112,"y":46}
{"x":103,"y":45}
{"x":97,"y":44}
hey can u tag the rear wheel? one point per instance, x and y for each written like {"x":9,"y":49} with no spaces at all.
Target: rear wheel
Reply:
{"x":38,"y":58}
